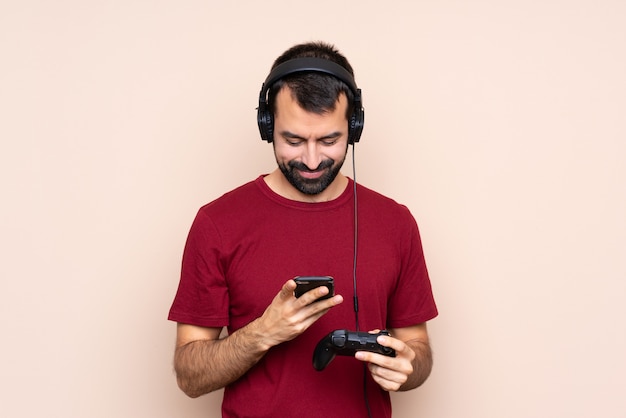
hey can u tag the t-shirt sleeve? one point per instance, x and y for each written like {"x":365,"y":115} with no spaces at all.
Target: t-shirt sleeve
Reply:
{"x":412,"y":301}
{"x":202,"y":296}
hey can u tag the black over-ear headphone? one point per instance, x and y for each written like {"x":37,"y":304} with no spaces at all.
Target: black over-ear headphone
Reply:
{"x":265,"y":117}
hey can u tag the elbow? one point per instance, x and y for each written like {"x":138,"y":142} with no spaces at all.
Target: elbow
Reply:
{"x":184,"y":386}
{"x":191,"y":394}
{"x":190,"y":389}
{"x":192,"y":384}
{"x":187,"y":379}
{"x":192,"y":379}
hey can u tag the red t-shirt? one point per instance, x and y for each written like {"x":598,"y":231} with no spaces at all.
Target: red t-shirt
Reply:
{"x":241,"y":249}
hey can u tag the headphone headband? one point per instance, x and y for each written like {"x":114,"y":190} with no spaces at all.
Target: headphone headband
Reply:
{"x":265,"y":118}
{"x":309,"y":64}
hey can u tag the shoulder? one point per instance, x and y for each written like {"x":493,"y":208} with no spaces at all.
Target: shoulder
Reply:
{"x":384,"y":216}
{"x":231,"y":208}
{"x":370,"y":199}
{"x":241,"y":196}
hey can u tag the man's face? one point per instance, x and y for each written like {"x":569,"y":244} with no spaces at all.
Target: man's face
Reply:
{"x":310,"y":148}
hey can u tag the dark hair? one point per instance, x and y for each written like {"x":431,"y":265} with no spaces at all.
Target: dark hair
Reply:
{"x":314,"y":92}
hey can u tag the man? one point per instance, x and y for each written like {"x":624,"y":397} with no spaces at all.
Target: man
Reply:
{"x":244,"y":249}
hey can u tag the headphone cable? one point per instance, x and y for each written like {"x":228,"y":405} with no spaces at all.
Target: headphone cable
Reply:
{"x":356,"y":237}
{"x":355,"y":297}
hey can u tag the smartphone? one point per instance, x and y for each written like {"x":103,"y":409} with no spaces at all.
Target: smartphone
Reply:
{"x":306,"y":283}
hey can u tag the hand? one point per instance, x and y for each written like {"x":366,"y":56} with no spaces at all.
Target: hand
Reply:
{"x":389,"y":372}
{"x":287,"y":316}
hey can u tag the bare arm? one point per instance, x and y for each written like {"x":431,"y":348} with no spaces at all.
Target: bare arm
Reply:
{"x":412,"y":364}
{"x":204,"y":363}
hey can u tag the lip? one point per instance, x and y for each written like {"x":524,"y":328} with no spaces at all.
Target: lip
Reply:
{"x":311,"y":174}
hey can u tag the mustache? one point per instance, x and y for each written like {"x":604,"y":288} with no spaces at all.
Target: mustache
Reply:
{"x":302,"y":167}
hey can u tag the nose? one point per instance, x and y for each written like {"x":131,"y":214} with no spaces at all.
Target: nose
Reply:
{"x":312,"y":156}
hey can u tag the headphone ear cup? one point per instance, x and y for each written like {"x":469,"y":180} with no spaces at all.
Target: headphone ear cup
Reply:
{"x":356,"y":125}
{"x":266,"y":124}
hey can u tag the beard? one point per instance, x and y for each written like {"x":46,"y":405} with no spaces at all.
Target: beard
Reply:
{"x":311,"y":186}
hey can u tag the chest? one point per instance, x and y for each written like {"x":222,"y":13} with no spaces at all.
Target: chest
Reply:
{"x":272,"y":251}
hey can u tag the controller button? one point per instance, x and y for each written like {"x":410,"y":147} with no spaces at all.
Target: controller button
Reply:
{"x":339,"y":340}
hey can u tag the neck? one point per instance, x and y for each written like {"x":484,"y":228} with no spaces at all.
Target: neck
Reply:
{"x":277,"y":182}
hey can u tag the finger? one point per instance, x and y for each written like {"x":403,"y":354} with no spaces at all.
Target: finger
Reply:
{"x":391,"y":342}
{"x":314,"y":311}
{"x":320,"y":308}
{"x":388,"y":380}
{"x":286,"y":291}
{"x":398,"y":363}
{"x":403,"y":351}
{"x":313,"y":294}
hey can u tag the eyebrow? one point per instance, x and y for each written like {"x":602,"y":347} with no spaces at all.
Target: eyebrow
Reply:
{"x":291,"y":135}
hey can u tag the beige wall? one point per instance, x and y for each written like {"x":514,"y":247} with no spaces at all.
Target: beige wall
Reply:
{"x":499,"y":123}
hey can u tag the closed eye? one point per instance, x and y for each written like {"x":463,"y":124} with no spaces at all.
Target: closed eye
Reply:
{"x":295,"y":140}
{"x":292,"y":139}
{"x":330,"y":139}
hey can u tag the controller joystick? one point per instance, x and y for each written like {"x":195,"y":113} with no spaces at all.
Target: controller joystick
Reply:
{"x":345,"y":343}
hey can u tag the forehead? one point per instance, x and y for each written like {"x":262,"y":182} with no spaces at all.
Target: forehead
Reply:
{"x":287,"y":106}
